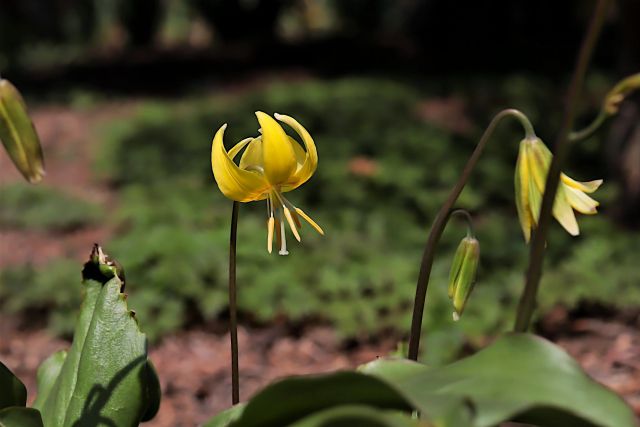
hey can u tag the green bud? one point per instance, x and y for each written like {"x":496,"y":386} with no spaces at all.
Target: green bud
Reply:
{"x":463,"y":273}
{"x":18,"y":135}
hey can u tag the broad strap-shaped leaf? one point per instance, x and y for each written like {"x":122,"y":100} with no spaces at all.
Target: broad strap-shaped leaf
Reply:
{"x":106,"y":378}
{"x":225,"y":417}
{"x":519,"y":377}
{"x":360,"y":416}
{"x":152,"y":391}
{"x":18,"y":135}
{"x":12,"y":391}
{"x":48,"y":373}
{"x":293,"y":399}
{"x":20,"y":417}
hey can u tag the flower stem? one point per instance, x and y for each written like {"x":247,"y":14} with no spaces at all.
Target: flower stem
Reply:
{"x":233,"y":310}
{"x":536,"y":257}
{"x":585,"y":133}
{"x":467,"y":217}
{"x":440,"y":222}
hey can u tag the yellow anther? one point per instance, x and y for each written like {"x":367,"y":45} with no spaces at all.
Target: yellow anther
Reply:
{"x":287,"y":213}
{"x":310,"y":221}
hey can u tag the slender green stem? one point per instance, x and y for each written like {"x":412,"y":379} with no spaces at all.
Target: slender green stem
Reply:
{"x":593,"y":127}
{"x":440,"y":222}
{"x":467,"y":217}
{"x":536,"y":258}
{"x":233,"y":309}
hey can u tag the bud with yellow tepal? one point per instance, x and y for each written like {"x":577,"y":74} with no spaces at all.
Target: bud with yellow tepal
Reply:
{"x":463,"y":273}
{"x":18,"y":135}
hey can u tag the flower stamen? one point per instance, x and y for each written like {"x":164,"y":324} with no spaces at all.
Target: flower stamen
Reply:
{"x":270,"y":226}
{"x":310,"y":221}
{"x":292,"y":225}
{"x":283,"y":240}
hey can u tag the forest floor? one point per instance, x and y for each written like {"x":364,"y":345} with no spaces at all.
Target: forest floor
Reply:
{"x":194,"y":364}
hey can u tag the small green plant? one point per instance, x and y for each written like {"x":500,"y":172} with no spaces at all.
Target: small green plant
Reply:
{"x":104,"y":378}
{"x":44,"y":209}
{"x":519,"y":377}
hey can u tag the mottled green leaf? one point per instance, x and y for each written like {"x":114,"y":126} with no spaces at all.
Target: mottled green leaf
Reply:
{"x":360,"y":416}
{"x":20,"y":417}
{"x":225,"y":417}
{"x":293,"y":399}
{"x":519,"y":376}
{"x":106,"y":378}
{"x":12,"y":391}
{"x":47,"y":374}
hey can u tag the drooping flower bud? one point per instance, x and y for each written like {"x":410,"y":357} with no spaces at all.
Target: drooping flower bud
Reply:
{"x":619,"y":92}
{"x":18,"y":135}
{"x":532,"y":167}
{"x":463,"y":273}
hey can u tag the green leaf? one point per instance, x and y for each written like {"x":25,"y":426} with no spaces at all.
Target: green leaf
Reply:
{"x":47,"y":374}
{"x":12,"y":391}
{"x":225,"y":417}
{"x":393,"y":370}
{"x":521,"y":377}
{"x":292,"y":399}
{"x":355,"y":415}
{"x":18,"y":134}
{"x":106,"y":377}
{"x":20,"y":417}
{"x":153,"y":392}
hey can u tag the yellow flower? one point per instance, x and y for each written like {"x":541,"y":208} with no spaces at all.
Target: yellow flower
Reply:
{"x":273,"y":163}
{"x":534,"y":159}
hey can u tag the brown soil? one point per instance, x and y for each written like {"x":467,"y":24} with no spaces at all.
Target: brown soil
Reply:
{"x":194,"y":366}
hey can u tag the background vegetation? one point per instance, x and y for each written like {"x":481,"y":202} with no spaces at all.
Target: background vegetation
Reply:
{"x":385,"y":167}
{"x":395,"y":94}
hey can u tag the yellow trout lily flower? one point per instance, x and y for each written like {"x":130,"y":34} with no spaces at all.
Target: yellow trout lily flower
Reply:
{"x":534,"y":159}
{"x":273,"y":163}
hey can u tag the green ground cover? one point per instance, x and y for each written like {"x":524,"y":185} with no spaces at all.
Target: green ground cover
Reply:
{"x":172,"y":222}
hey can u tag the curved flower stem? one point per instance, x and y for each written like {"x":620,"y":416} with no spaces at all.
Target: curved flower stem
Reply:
{"x":593,"y":127}
{"x":440,"y":222}
{"x":233,"y":311}
{"x":467,"y":217}
{"x":536,"y":257}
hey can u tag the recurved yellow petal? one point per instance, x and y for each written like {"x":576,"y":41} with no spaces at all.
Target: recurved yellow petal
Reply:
{"x":563,"y":212}
{"x":235,"y":183}
{"x":310,"y":164}
{"x":279,"y":160}
{"x":239,"y":146}
{"x":18,"y":135}
{"x":580,"y":201}
{"x":587,"y":187}
{"x":252,"y":156}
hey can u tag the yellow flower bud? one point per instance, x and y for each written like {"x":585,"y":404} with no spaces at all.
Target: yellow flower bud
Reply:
{"x":18,"y":135}
{"x":532,"y":167}
{"x":619,"y":92}
{"x":463,"y":273}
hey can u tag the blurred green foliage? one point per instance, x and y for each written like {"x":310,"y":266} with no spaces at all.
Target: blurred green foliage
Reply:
{"x":384,"y":171}
{"x":43,"y":208}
